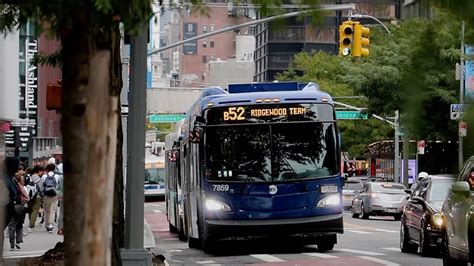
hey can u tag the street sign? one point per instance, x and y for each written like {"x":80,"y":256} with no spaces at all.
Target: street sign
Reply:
{"x":462,"y":129}
{"x":420,"y":145}
{"x":351,"y":115}
{"x":166,"y":118}
{"x":457,"y":111}
{"x":23,"y":123}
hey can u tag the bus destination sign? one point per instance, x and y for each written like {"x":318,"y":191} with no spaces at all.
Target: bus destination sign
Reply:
{"x":269,"y":113}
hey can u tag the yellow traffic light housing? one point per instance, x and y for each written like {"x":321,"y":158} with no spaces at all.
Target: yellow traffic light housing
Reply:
{"x":346,"y":32}
{"x":361,"y":41}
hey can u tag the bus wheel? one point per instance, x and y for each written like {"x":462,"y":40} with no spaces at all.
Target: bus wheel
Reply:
{"x":193,"y":242}
{"x":173,"y":229}
{"x":181,"y":234}
{"x":207,"y":243}
{"x":326,"y":243}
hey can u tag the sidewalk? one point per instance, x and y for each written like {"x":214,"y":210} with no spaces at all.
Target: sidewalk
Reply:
{"x":39,"y":241}
{"x":34,"y":244}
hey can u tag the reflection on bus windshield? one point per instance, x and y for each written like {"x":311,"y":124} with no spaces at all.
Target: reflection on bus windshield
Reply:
{"x":154,"y":176}
{"x":271,"y":152}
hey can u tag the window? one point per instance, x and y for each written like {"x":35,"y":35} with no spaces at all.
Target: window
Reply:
{"x":211,"y":44}
{"x":204,"y":59}
{"x":204,"y":43}
{"x":204,"y":28}
{"x":203,"y":75}
{"x":211,"y":27}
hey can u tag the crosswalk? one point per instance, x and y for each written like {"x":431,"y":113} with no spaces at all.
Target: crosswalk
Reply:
{"x":341,"y":254}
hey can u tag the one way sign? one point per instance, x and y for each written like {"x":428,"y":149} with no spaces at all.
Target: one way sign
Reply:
{"x":457,"y":111}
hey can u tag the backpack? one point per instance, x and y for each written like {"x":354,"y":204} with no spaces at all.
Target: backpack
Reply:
{"x":49,"y":185}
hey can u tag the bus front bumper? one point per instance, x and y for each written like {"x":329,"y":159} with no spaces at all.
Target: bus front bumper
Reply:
{"x":317,"y":225}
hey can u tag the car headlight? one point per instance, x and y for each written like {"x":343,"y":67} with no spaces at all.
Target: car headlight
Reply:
{"x":437,"y":219}
{"x":330,"y":201}
{"x":214,"y":205}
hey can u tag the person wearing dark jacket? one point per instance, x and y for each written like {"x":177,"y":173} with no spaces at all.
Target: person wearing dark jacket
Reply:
{"x":11,"y":165}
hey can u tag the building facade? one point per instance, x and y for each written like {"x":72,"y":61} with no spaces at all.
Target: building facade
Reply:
{"x":277,"y":45}
{"x":195,"y":55}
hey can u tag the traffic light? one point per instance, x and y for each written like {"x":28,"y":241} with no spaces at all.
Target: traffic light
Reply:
{"x":346,"y":31}
{"x":361,"y":41}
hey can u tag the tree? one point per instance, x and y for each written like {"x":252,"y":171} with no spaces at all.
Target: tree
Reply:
{"x":411,"y":71}
{"x":91,"y":78}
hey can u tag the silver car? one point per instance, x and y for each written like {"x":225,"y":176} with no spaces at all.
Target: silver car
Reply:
{"x":380,"y":198}
{"x":349,"y":191}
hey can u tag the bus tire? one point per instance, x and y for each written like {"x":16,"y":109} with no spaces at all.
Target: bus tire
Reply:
{"x":193,"y":242}
{"x":207,"y":244}
{"x":173,"y":229}
{"x":325,"y":245}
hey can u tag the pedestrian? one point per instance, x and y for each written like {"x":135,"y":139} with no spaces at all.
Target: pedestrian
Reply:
{"x":4,"y":201}
{"x":50,"y":198}
{"x":61,"y":199}
{"x":11,"y":165}
{"x":15,"y":227}
{"x":36,"y":195}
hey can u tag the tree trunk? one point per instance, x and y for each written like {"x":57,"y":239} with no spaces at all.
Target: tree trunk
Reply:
{"x":118,"y":233}
{"x":89,"y":128}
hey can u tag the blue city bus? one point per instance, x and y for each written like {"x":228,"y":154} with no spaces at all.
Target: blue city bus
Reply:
{"x":260,"y":160}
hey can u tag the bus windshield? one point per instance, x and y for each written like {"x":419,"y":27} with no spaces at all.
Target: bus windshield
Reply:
{"x":155,"y":176}
{"x":271,"y":152}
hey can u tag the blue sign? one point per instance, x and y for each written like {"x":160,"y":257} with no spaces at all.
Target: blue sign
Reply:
{"x":189,"y":31}
{"x":469,"y":75}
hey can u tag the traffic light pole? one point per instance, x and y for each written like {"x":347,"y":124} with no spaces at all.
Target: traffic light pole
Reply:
{"x":335,"y":7}
{"x":371,"y":17}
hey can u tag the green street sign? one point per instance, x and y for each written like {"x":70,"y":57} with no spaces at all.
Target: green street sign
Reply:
{"x":351,"y":115}
{"x":165,"y":118}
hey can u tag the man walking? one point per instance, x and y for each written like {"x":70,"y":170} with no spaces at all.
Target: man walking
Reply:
{"x":36,"y":192}
{"x":50,"y":199}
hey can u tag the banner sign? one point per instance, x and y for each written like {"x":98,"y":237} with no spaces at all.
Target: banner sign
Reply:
{"x":469,"y":75}
{"x":189,"y":31}
{"x":29,"y":83}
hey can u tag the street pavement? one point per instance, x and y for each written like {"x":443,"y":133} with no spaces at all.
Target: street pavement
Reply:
{"x":365,"y":242}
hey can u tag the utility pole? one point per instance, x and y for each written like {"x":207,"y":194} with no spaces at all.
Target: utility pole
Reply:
{"x":134,"y":253}
{"x":461,"y":96}
{"x":406,"y":154}
{"x":396,"y":165}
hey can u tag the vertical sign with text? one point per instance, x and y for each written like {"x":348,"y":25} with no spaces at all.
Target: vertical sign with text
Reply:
{"x":189,"y":31}
{"x":29,"y":82}
{"x":469,"y":75}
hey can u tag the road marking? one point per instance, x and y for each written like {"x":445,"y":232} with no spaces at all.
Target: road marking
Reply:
{"x":369,"y":253}
{"x":175,"y":250}
{"x":168,"y":239}
{"x":387,"y":231}
{"x":162,"y":230}
{"x":392,"y":249}
{"x":267,"y":258}
{"x":320,"y":255}
{"x":206,"y":262}
{"x":384,"y":262}
{"x":157,"y":211}
{"x":358,"y":231}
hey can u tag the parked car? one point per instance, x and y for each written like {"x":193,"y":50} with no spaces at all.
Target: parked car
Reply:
{"x":422,"y":222}
{"x":349,"y":191}
{"x":458,"y":214}
{"x":380,"y":198}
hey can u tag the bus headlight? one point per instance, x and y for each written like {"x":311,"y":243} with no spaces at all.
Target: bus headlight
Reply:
{"x":330,"y":201}
{"x":214,"y":205}
{"x":437,"y":219}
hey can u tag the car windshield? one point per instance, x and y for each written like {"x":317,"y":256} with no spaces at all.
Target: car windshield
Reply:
{"x":439,"y":189}
{"x":390,"y":188}
{"x":353,"y":186}
{"x":154,"y":176}
{"x":271,"y":152}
